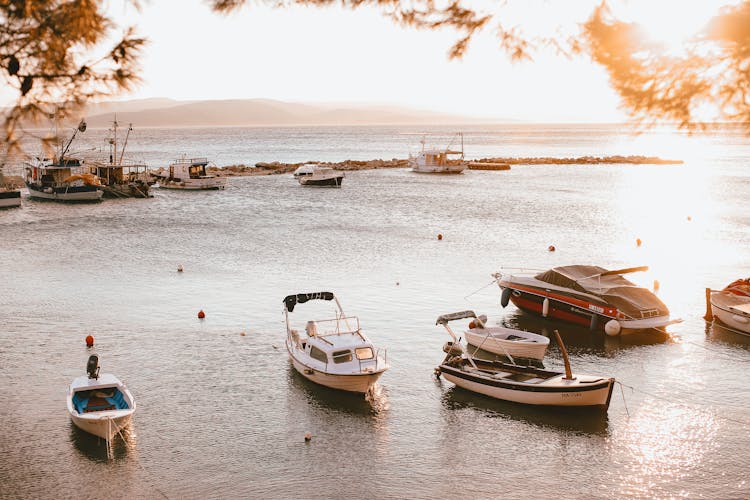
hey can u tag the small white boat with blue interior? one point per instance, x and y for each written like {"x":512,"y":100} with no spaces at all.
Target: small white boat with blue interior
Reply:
{"x":333,"y":352}
{"x":100,"y":404}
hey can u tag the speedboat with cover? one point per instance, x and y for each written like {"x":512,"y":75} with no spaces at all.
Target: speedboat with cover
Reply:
{"x":522,"y":384}
{"x":586,"y":295}
{"x":731,"y":306}
{"x":100,"y":404}
{"x":333,"y":352}
{"x":433,"y":160}
{"x":500,"y":340}
{"x":317,"y":175}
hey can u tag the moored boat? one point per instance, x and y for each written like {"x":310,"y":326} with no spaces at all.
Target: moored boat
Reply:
{"x":317,"y":175}
{"x":586,"y":295}
{"x":100,"y":404}
{"x":188,"y":174}
{"x":333,"y":352}
{"x":500,"y":340}
{"x":122,"y":177}
{"x":9,"y":197}
{"x":523,"y":384}
{"x":731,"y":306}
{"x":433,"y":160}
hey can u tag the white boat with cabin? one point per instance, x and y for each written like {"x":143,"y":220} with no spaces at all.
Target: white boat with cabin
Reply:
{"x":100,"y":404}
{"x":333,"y":352}
{"x":500,"y":340}
{"x":313,"y":174}
{"x":433,"y":160}
{"x":188,"y":174}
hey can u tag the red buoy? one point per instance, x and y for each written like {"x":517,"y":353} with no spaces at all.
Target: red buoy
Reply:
{"x":440,"y":237}
{"x":201,"y":314}
{"x":89,"y":341}
{"x":551,"y":248}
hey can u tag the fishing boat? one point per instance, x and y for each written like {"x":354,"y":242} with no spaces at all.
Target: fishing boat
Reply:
{"x":522,"y":384}
{"x":100,"y":404}
{"x":317,"y":175}
{"x":122,"y":177}
{"x":500,"y":340}
{"x":433,"y":160}
{"x":62,"y":178}
{"x":188,"y":174}
{"x":587,"y":295}
{"x":731,"y":306}
{"x":333,"y":352}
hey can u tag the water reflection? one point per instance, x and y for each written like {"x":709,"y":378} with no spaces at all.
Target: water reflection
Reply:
{"x":717,"y":332}
{"x":95,"y":448}
{"x":578,"y":420}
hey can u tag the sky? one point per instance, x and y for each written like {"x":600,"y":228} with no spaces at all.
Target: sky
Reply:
{"x":335,"y":55}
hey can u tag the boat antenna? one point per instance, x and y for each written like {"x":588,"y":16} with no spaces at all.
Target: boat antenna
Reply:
{"x":122,"y":153}
{"x":81,"y":128}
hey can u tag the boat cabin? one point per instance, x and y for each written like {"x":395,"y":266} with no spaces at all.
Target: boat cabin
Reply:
{"x":338,"y":343}
{"x":189,"y":168}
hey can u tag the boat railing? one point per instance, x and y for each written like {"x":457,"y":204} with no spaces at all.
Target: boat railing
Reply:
{"x":381,"y":356}
{"x":337,"y":326}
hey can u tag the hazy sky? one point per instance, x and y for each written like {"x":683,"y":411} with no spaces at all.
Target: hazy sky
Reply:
{"x":332,"y":55}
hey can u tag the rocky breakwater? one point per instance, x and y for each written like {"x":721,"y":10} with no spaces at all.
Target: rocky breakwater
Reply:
{"x":582,"y":160}
{"x":272,"y":168}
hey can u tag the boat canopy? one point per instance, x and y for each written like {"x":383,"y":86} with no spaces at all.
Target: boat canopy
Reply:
{"x":626,"y":296}
{"x":445,"y":318}
{"x":292,"y":300}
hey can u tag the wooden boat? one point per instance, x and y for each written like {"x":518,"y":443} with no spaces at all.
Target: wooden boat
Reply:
{"x":122,"y":177}
{"x":500,"y":340}
{"x":523,"y":384}
{"x":333,"y":352}
{"x":731,"y":306}
{"x":100,"y":404}
{"x":587,"y":295}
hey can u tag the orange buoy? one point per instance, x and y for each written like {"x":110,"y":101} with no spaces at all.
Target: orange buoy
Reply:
{"x":638,"y":242}
{"x":440,"y":236}
{"x":308,"y":437}
{"x":551,"y":248}
{"x":201,"y":314}
{"x":89,"y":341}
{"x":689,"y":218}
{"x":472,"y":324}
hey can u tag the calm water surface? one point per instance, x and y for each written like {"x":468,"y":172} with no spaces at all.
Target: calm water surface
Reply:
{"x":223,"y":415}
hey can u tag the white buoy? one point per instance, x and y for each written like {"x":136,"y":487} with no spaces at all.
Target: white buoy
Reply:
{"x":545,"y":307}
{"x":612,"y":328}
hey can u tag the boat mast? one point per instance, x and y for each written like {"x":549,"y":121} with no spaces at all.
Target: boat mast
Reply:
{"x":81,"y":127}
{"x":122,"y":153}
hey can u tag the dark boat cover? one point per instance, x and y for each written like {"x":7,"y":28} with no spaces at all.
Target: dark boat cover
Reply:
{"x":445,"y":318}
{"x":301,"y":298}
{"x":613,"y":289}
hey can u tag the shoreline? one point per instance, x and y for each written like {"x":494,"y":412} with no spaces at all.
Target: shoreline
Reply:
{"x":500,"y":163}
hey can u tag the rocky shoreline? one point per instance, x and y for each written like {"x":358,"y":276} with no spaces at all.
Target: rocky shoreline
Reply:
{"x":273,"y":168}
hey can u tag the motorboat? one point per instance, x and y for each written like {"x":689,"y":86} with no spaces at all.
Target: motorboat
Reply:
{"x":9,"y":197}
{"x":731,"y":306}
{"x":500,"y":340}
{"x":333,"y":352}
{"x":62,"y":178}
{"x":434,"y":160}
{"x":122,"y":177}
{"x":100,"y":404}
{"x":318,"y":175}
{"x":188,"y":174}
{"x":522,"y":384}
{"x":586,"y":295}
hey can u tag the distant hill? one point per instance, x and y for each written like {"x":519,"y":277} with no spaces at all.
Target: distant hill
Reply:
{"x":257,"y":112}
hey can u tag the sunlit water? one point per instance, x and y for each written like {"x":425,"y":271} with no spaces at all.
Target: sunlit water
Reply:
{"x":223,"y":415}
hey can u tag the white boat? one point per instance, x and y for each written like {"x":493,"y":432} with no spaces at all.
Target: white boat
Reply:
{"x":100,"y":404}
{"x":523,"y":384}
{"x":432,"y":160}
{"x":317,"y":175}
{"x":731,"y":306}
{"x":333,"y":352}
{"x":9,"y":197}
{"x":188,"y":174}
{"x":500,"y":340}
{"x":62,"y":178}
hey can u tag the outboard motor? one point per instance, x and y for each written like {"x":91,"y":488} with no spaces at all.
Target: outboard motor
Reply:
{"x":92,"y":367}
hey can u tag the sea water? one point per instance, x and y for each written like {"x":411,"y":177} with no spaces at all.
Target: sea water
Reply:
{"x":221,"y":412}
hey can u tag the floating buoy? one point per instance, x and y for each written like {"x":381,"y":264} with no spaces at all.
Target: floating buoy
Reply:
{"x":274,"y":346}
{"x":89,"y":341}
{"x":242,"y":334}
{"x":638,"y":242}
{"x":545,"y":307}
{"x":440,"y":236}
{"x":551,"y":248}
{"x":201,"y":314}
{"x":612,"y":328}
{"x":179,"y":268}
{"x":656,"y":285}
{"x":505,"y":297}
{"x":308,"y":437}
{"x":689,"y":218}
{"x":397,"y":283}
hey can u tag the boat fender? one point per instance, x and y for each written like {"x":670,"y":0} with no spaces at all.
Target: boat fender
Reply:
{"x":612,"y":328}
{"x":505,"y":297}
{"x":545,"y":307}
{"x":594,"y":322}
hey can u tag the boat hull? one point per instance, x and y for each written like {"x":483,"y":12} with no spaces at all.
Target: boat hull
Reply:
{"x":71,"y":194}
{"x":128,"y":190}
{"x":359,"y":383}
{"x":736,"y":320}
{"x":105,"y":425}
{"x":450,"y":169}
{"x":329,"y":182}
{"x":10,"y":199}
{"x":595,"y":395}
{"x":194,"y":184}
